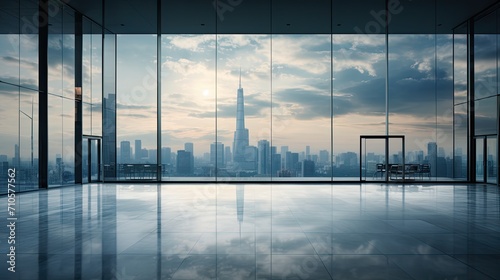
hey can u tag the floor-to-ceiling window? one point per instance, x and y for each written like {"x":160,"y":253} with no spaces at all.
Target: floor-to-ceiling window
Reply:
{"x":19,"y":95}
{"x":359,"y":102}
{"x":305,"y":98}
{"x":61,"y":96}
{"x":136,"y":107}
{"x":188,"y":106}
{"x":486,"y":97}
{"x":460,"y":103}
{"x":301,"y":91}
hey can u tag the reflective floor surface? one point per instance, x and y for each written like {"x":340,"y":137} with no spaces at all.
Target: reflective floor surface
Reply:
{"x":254,"y":231}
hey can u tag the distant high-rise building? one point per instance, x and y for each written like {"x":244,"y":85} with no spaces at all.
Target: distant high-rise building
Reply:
{"x":228,"y":156}
{"x":165,"y":155}
{"x":251,"y":154}
{"x":441,"y":152}
{"x":419,"y":157}
{"x":275,"y":164}
{"x":432,"y":156}
{"x":308,"y":168}
{"x":284,"y":150}
{"x":324,"y":156}
{"x":190,"y":148}
{"x":264,"y":158}
{"x":241,"y":137}
{"x":292,"y":163}
{"x":274,"y":150}
{"x":308,"y":152}
{"x":151,"y":155}
{"x":138,"y":151}
{"x":217,"y":154}
{"x":184,"y":163}
{"x":17,"y":158}
{"x":125,"y":155}
{"x":109,"y":135}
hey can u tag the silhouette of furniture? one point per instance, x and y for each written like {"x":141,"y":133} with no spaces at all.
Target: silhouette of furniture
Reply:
{"x":425,"y":169}
{"x":379,"y":169}
{"x":395,"y":171}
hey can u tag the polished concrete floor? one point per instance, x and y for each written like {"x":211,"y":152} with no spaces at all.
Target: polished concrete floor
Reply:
{"x":255,"y":231}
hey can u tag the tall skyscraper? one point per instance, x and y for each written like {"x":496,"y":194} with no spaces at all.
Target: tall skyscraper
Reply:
{"x":165,"y":155}
{"x":17,"y":156}
{"x":138,"y":151}
{"x":109,"y":136}
{"x":125,"y":156}
{"x":432,"y":156}
{"x":217,"y":154}
{"x":228,"y":156}
{"x":284,"y":150}
{"x":240,"y":142}
{"x":189,"y":147}
{"x":264,"y":158}
{"x":184,"y":163}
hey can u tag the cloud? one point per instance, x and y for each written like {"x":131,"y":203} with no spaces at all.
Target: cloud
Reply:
{"x":309,"y":54}
{"x":194,"y":43}
{"x":121,"y":106}
{"x":186,"y":67}
{"x":303,"y":104}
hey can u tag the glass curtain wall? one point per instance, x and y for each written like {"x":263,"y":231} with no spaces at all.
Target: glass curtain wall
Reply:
{"x":486,"y":59}
{"x":248,"y":106}
{"x":307,"y":99}
{"x":243,"y":109}
{"x":420,"y":96}
{"x":460,"y":103}
{"x":188,"y":106}
{"x":301,"y":94}
{"x":136,"y":107}
{"x":359,"y":73}
{"x":92,"y":78}
{"x":61,"y":100}
{"x":19,"y":95}
{"x":109,"y":107}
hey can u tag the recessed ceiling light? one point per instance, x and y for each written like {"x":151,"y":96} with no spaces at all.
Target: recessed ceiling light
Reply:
{"x":339,"y":24}
{"x":122,"y":24}
{"x":288,"y":24}
{"x":202,"y":24}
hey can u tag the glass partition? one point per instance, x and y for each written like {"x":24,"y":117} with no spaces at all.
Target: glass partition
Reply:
{"x":302,"y":98}
{"x":136,"y":114}
{"x":359,"y":98}
{"x":188,"y":106}
{"x":485,"y":56}
{"x":243,"y":108}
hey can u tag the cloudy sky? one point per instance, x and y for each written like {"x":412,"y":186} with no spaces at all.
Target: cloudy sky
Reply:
{"x":288,"y":82}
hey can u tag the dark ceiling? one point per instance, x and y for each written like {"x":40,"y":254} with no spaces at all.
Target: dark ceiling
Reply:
{"x":279,"y":16}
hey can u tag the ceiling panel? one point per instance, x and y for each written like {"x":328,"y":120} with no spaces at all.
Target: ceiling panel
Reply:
{"x":301,"y":16}
{"x":277,"y":16}
{"x":244,"y":17}
{"x":188,"y":17}
{"x":357,"y":17}
{"x":132,"y":17}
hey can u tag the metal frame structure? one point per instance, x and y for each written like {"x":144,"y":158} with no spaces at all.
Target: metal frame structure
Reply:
{"x":386,"y":146}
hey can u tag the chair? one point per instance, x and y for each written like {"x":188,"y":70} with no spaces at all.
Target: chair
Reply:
{"x":380,"y":168}
{"x":396,"y":170}
{"x":412,"y":170}
{"x":425,"y":169}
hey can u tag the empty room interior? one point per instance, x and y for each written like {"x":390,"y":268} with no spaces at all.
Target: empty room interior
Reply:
{"x":249,"y":139}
